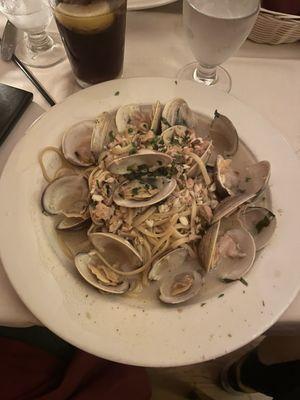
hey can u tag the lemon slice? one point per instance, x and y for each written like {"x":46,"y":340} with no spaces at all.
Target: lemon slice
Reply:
{"x":86,"y":19}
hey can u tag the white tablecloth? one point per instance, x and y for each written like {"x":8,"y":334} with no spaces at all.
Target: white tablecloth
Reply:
{"x":265,"y":77}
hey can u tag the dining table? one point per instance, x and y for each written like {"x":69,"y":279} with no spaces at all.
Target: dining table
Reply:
{"x":265,"y":77}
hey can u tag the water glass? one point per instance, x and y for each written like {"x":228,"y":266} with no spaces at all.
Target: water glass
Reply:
{"x":215,"y":30}
{"x":38,"y":48}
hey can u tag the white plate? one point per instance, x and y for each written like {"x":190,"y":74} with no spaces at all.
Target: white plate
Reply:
{"x":144,"y":4}
{"x":129,"y":330}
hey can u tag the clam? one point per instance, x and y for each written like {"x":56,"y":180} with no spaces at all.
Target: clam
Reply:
{"x":227,"y":179}
{"x":260,"y":222}
{"x":144,"y":192}
{"x":180,"y":287}
{"x":72,"y":224}
{"x":177,"y":275}
{"x":164,"y":264}
{"x":131,"y":116}
{"x":177,"y":112}
{"x":255,"y":182}
{"x":143,"y":158}
{"x":67,"y":195}
{"x":230,"y":204}
{"x":224,"y":135}
{"x":230,"y":249}
{"x":76,"y":144}
{"x":116,"y":251}
{"x":157,"y":112}
{"x":256,"y":178}
{"x":92,"y":269}
{"x":104,"y":131}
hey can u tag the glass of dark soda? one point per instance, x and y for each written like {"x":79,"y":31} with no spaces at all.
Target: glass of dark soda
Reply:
{"x":93,"y":33}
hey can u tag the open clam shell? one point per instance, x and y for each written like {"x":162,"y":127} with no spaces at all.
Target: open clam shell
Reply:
{"x":117,"y":252}
{"x":229,"y":248}
{"x":224,"y":135}
{"x":177,"y":112}
{"x":260,"y":222}
{"x":208,"y":245}
{"x":149,"y":158}
{"x":177,"y":275}
{"x":256,"y":178}
{"x":180,"y":287}
{"x":230,"y":204}
{"x":76,"y":144}
{"x":72,"y":224}
{"x":132,"y":196}
{"x":104,"y":131}
{"x":91,"y":268}
{"x":67,"y":195}
{"x":167,"y":262}
{"x":132,"y":116}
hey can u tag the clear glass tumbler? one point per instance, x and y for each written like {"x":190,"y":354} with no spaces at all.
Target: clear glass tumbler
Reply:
{"x":215,"y":30}
{"x":39,"y":48}
{"x":93,"y":33}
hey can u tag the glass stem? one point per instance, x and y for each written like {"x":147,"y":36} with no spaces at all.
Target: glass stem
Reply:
{"x":39,"y":41}
{"x":205,"y":74}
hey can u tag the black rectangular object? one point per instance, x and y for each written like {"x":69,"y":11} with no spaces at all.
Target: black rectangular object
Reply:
{"x":13,"y":103}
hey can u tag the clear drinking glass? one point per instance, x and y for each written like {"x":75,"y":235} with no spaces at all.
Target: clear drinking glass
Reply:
{"x":93,"y":33}
{"x":215,"y":30}
{"x":38,"y":49}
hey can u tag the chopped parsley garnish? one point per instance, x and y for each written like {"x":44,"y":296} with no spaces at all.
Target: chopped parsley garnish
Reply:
{"x":98,"y":184}
{"x":130,"y":130}
{"x":264,"y":222}
{"x":117,"y":93}
{"x":243,"y":281}
{"x":229,"y":280}
{"x":163,"y":119}
{"x":133,"y":149}
{"x":135,"y":191}
{"x":174,"y":140}
{"x":186,"y":137}
{"x":149,"y":181}
{"x":221,"y":295}
{"x":157,"y":142}
{"x":111,"y":136}
{"x":217,"y":114}
{"x":248,"y":179}
{"x":93,"y":203}
{"x":179,"y":158}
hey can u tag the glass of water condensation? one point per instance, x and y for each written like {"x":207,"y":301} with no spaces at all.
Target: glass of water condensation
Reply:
{"x":215,"y":30}
{"x":37,"y":48}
